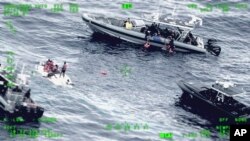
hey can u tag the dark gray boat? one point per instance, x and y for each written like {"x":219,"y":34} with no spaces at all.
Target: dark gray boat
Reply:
{"x":223,"y":96}
{"x":115,"y":27}
{"x":16,"y":102}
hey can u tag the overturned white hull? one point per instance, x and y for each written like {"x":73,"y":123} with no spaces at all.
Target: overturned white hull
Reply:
{"x":55,"y":79}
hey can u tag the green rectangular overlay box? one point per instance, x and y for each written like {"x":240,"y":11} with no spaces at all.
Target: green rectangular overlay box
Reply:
{"x":127,"y":5}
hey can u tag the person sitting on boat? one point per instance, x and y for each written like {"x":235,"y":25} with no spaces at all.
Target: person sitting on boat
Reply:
{"x":193,"y":41}
{"x":17,"y":89}
{"x":190,"y":39}
{"x":166,"y":32}
{"x":46,"y":66}
{"x":187,"y":40}
{"x":124,"y":24}
{"x":128,"y":24}
{"x":54,"y":71}
{"x":27,"y":98}
{"x":153,"y":28}
{"x":64,"y":68}
{"x":51,"y":65}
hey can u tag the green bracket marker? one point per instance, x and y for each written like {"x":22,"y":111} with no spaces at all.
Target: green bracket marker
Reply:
{"x":127,"y":5}
{"x":126,"y":70}
{"x":73,"y":8}
{"x":192,"y":6}
{"x":166,"y":135}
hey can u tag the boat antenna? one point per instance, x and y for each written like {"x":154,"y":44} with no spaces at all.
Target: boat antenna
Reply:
{"x":16,"y":64}
{"x":22,"y":68}
{"x":174,"y":11}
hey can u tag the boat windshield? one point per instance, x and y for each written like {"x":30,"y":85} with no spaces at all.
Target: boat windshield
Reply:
{"x":116,"y":22}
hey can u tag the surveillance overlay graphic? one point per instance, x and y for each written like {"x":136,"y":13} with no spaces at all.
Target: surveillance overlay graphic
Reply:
{"x":124,"y":70}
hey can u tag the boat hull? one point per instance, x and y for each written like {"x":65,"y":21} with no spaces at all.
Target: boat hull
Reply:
{"x":192,"y":97}
{"x":136,"y":37}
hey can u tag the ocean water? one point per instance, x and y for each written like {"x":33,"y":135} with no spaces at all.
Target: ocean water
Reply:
{"x":103,"y":95}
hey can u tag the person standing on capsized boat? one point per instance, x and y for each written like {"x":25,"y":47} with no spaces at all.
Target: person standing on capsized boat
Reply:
{"x":64,"y":68}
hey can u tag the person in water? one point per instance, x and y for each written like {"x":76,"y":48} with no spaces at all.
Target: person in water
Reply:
{"x":147,"y":45}
{"x":170,"y":45}
{"x":64,"y":68}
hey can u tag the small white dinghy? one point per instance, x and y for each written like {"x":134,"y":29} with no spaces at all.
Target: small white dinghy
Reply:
{"x":56,"y":79}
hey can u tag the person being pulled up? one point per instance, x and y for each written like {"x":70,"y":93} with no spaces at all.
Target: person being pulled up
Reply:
{"x":146,"y":45}
{"x":170,"y":45}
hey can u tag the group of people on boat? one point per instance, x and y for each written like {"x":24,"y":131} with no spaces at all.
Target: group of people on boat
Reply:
{"x":53,"y":69}
{"x":155,"y":31}
{"x":190,"y":39}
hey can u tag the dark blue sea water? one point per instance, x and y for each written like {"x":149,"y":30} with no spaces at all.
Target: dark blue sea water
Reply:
{"x":148,"y":94}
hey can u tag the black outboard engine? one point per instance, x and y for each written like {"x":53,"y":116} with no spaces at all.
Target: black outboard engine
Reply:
{"x":213,"y":49}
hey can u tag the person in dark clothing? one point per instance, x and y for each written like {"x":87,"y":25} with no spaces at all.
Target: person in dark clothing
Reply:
{"x":191,"y":35}
{"x":27,"y":98}
{"x":187,"y":40}
{"x":194,"y":42}
{"x":16,"y":89}
{"x":147,"y":34}
{"x":63,"y":69}
{"x":153,"y":28}
{"x":166,"y":33}
{"x":27,"y":94}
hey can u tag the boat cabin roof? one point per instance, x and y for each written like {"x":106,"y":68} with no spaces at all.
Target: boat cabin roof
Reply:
{"x":227,"y":88}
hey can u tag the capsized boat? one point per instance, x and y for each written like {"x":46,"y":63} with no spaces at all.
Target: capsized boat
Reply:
{"x":115,"y":27}
{"x":224,"y":96}
{"x":56,"y":78}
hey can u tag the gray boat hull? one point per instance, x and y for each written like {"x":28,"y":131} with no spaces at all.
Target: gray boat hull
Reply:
{"x":137,"y":37}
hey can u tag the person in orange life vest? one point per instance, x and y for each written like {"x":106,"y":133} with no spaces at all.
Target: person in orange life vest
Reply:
{"x":64,"y":68}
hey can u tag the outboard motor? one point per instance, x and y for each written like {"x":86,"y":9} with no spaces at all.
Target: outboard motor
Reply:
{"x":213,"y":49}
